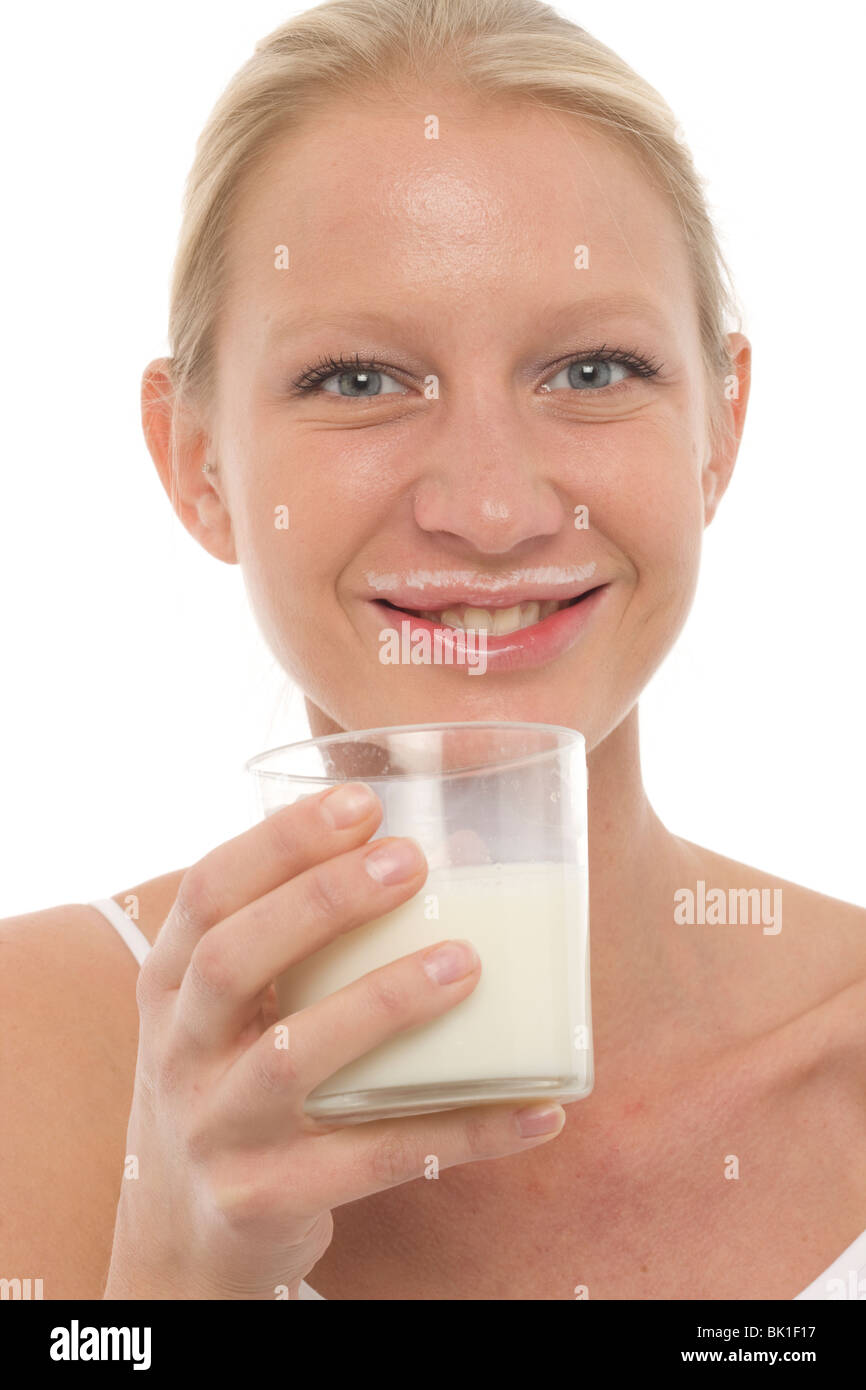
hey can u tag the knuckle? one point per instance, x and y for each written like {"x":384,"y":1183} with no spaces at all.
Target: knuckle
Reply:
{"x":210,"y":968}
{"x":169,"y":1069}
{"x":273,"y":1068}
{"x":388,"y":994}
{"x":199,"y":1144}
{"x":146,"y":989}
{"x":253,"y":1199}
{"x":483,"y":1134}
{"x":325,"y":895}
{"x":195,"y":902}
{"x":283,"y":830}
{"x":239,"y":1197}
{"x":394,"y":1160}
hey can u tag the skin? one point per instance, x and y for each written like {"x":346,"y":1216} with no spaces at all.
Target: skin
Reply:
{"x":709,"y":1041}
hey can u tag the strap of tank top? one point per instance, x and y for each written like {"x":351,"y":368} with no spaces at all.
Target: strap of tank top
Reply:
{"x":124,"y":926}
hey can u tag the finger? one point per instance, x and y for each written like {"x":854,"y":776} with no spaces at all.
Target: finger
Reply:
{"x":244,"y":953}
{"x":254,"y":863}
{"x":362,"y":1159}
{"x":324,"y":1171}
{"x":268,"y":1082}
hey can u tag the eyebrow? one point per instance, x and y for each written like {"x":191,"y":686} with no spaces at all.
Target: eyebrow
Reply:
{"x":613,"y":305}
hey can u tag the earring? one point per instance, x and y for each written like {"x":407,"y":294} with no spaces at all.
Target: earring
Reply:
{"x":207,"y":467}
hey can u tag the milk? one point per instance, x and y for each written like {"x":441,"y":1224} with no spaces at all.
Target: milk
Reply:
{"x":523,"y":1032}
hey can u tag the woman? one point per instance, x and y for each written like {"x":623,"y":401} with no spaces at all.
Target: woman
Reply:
{"x":449,"y":303}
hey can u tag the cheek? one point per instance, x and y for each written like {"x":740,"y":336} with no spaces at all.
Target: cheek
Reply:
{"x":656,"y":516}
{"x":285,"y":537}
{"x":275,"y":543}
{"x":665,"y":538}
{"x":297,"y":542}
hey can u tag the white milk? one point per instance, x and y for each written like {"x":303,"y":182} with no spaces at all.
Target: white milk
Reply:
{"x":523,"y":1032}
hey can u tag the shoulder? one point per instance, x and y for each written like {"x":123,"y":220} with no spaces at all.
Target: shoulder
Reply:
{"x":800,"y":954}
{"x":67,"y":1065}
{"x":796,"y":993}
{"x":67,"y":999}
{"x":67,"y":1062}
{"x":39,"y":951}
{"x":813,"y":924}
{"x":66,"y":969}
{"x":67,"y":995}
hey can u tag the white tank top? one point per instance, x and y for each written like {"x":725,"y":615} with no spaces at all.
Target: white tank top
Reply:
{"x":844,"y":1278}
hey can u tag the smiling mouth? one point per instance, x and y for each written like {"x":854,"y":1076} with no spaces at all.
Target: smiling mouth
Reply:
{"x":497,"y":622}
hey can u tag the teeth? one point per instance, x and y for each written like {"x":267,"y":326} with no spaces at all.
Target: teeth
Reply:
{"x":506,"y":620}
{"x":478,"y":617}
{"x":529,"y":614}
{"x":450,"y":617}
{"x":498,"y":621}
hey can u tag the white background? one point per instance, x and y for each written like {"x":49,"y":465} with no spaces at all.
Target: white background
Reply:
{"x":135,"y":683}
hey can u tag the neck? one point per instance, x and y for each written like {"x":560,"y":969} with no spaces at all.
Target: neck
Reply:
{"x":635,"y":866}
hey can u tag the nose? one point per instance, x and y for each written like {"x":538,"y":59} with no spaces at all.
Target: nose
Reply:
{"x":486,"y":482}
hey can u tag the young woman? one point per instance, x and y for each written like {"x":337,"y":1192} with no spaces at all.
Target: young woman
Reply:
{"x":446,"y":282}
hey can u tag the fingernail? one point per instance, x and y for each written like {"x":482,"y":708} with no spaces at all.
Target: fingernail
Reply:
{"x":450,"y":961}
{"x":347,"y":804}
{"x":539,"y":1120}
{"x":395,"y":861}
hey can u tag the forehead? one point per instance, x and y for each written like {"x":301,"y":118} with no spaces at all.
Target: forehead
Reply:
{"x":484,"y":219}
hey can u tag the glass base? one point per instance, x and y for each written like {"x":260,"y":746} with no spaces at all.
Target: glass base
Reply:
{"x":354,"y":1107}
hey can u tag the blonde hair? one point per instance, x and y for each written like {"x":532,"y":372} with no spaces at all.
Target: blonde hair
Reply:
{"x":518,"y":48}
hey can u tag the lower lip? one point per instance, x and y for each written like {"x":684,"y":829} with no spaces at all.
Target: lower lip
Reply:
{"x":512,"y":651}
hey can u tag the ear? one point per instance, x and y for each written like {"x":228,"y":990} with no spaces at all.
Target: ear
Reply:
{"x":719,"y":466}
{"x":196,"y":496}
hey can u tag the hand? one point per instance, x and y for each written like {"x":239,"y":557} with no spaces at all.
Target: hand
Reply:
{"x":236,"y":1183}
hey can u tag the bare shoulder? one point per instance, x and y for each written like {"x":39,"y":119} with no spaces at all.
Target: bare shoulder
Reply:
{"x":55,"y":965}
{"x":69,"y":962}
{"x":68,"y":1049}
{"x":803,"y":948}
{"x":805,"y":914}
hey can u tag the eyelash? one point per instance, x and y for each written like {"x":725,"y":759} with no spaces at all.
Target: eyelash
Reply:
{"x":328,"y":366}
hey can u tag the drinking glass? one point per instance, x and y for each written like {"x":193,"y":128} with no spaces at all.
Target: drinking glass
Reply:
{"x":500,"y":812}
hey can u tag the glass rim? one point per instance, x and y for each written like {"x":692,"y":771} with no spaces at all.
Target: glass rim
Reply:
{"x":357,"y":735}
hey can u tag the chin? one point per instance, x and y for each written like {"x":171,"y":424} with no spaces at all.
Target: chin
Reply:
{"x":470,"y":698}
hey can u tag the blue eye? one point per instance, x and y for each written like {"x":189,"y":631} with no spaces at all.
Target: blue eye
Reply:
{"x":340,"y":376}
{"x":593,"y":371}
{"x":360,"y":382}
{"x":585,"y":376}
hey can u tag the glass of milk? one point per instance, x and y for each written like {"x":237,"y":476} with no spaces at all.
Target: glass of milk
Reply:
{"x":500,"y":812}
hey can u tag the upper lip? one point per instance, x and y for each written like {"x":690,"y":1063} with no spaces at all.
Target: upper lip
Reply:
{"x":436,"y":598}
